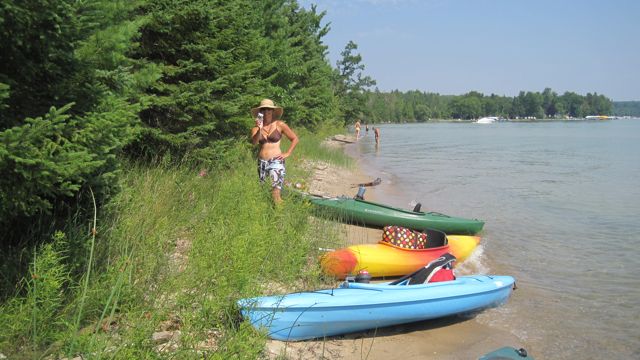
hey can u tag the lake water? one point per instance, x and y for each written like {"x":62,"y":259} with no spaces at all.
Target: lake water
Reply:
{"x":561,"y":201}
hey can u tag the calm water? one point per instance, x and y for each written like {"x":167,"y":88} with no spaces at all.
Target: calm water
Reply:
{"x":561,"y":202}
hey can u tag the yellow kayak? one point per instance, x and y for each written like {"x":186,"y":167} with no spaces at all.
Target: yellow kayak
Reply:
{"x":385,"y":259}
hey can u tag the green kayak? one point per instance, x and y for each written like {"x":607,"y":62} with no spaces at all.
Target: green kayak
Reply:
{"x":361,"y":212}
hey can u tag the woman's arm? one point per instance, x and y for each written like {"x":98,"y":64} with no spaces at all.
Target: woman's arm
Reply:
{"x":256,"y":134}
{"x":284,"y":128}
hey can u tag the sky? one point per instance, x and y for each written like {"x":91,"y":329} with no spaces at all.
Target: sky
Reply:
{"x":452,"y":47}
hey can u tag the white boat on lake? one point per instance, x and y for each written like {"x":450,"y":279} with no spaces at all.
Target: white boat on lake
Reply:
{"x":487,"y":120}
{"x":599,"y":117}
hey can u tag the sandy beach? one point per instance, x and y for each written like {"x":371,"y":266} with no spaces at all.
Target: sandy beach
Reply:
{"x":447,"y":338}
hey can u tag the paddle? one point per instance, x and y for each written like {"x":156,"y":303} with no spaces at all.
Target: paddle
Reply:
{"x":361,"y":187}
{"x":375,"y":182}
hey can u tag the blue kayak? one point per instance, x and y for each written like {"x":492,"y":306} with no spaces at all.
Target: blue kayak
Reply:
{"x":358,"y":306}
{"x":507,"y":353}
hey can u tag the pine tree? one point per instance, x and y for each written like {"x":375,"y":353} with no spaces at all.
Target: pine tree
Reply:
{"x":66,"y":60}
{"x":218,"y":59}
{"x":295,"y":64}
{"x":350,"y":83}
{"x":36,"y":38}
{"x":47,"y":160}
{"x":206,"y":51}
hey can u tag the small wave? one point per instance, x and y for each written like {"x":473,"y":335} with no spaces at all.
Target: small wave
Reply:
{"x":474,"y":263}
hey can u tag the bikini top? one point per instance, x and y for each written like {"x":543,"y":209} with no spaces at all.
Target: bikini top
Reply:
{"x":274,"y":137}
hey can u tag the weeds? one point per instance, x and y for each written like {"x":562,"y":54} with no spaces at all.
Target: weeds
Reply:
{"x":30,"y":321}
{"x":175,"y":249}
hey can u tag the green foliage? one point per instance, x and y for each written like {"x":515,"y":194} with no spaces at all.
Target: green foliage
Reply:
{"x":171,"y":81}
{"x":294,"y":63}
{"x":466,"y":107}
{"x":397,"y":106}
{"x":413,"y":106}
{"x":37,"y":39}
{"x":59,"y":53}
{"x":42,"y":45}
{"x":626,"y":108}
{"x":312,"y":147}
{"x":48,"y":160}
{"x":189,"y":69}
{"x":218,"y":59}
{"x":206,"y":51}
{"x":105,"y":51}
{"x":351,"y":84}
{"x":4,"y":95}
{"x":174,"y":243}
{"x":23,"y":316}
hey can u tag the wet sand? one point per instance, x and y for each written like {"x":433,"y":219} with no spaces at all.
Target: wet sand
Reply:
{"x":447,"y":338}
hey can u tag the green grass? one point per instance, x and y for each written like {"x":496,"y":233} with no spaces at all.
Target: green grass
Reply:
{"x":173,"y":250}
{"x":311,"y":148}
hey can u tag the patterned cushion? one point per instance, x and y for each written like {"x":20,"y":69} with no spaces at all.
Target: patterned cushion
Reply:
{"x":404,"y":238}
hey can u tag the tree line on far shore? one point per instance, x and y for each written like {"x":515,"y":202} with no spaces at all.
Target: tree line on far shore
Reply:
{"x":626,"y":108}
{"x":418,"y":106}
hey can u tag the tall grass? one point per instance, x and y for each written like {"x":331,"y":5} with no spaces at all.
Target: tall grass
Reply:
{"x":173,"y":247}
{"x":30,"y":322}
{"x":311,"y":147}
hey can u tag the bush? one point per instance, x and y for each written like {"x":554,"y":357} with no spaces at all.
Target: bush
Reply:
{"x":48,"y":160}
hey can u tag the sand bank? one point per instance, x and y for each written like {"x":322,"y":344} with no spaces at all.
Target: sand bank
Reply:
{"x":447,"y":338}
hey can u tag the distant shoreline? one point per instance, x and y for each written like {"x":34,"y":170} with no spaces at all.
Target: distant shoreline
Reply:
{"x":508,"y":120}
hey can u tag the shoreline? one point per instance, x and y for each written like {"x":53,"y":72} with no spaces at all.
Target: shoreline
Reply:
{"x":455,"y":337}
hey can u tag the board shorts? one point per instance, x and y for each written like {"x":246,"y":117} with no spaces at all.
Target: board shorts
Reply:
{"x":274,"y":168}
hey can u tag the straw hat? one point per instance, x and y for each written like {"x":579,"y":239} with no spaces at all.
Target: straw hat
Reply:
{"x":268,"y":104}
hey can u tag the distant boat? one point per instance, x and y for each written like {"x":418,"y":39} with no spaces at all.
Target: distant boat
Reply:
{"x":598,"y":117}
{"x":487,"y":120}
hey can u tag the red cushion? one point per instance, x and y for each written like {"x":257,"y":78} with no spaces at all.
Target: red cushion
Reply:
{"x":442,"y":275}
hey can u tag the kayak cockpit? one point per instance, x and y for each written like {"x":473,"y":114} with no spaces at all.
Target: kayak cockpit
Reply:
{"x":438,"y":270}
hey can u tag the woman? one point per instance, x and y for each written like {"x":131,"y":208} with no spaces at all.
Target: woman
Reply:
{"x":357,"y":126}
{"x":268,"y":132}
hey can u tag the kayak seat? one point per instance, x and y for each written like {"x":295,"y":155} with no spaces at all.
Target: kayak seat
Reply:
{"x":436,"y":238}
{"x":440,"y":269}
{"x":417,"y":207}
{"x":405,"y":238}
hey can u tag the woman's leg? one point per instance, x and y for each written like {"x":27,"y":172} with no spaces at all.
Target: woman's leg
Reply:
{"x":275,"y":193}
{"x":277,"y":173}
